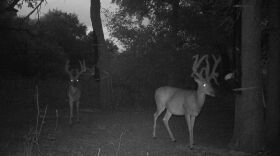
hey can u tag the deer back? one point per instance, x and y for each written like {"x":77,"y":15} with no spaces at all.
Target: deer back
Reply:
{"x":177,"y":101}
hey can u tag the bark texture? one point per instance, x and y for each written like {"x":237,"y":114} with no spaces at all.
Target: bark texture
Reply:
{"x":248,"y":129}
{"x":95,"y":7}
{"x":272,"y":107}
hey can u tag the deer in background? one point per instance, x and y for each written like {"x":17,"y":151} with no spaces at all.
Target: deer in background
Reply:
{"x":186,"y":102}
{"x":74,"y":90}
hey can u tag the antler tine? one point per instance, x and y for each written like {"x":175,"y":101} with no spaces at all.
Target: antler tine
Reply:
{"x":214,"y":74}
{"x":196,"y":65}
{"x":67,"y":67}
{"x":207,"y":69}
{"x":83,"y":66}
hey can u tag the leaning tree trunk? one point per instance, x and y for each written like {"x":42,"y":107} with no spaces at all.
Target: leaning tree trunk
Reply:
{"x":272,"y":107}
{"x":249,"y":120}
{"x":97,"y":27}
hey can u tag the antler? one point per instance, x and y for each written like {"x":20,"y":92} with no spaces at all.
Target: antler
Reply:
{"x":67,"y":67}
{"x":213,"y":75}
{"x":83,"y":67}
{"x":208,"y":76}
{"x":196,"y":65}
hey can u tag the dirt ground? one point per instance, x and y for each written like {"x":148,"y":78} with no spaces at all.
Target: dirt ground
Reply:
{"x":125,"y":133}
{"x":130,"y":133}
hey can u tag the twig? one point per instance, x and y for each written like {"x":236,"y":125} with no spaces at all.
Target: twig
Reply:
{"x":37,"y":133}
{"x":244,"y":88}
{"x":32,"y":138}
{"x":38,"y":109}
{"x":56,"y":122}
{"x":34,"y":9}
{"x":242,"y":6}
{"x":251,"y":88}
{"x":119,"y":146}
{"x":263,"y":99}
{"x":12,"y":5}
{"x":43,"y":120}
{"x":22,"y":30}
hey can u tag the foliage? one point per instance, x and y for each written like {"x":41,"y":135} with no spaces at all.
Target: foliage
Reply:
{"x":39,"y":48}
{"x":63,"y":29}
{"x":160,"y":38}
{"x":189,"y":20}
{"x":30,"y":3}
{"x":8,"y":6}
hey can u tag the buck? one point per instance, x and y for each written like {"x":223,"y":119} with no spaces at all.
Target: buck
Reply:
{"x":74,"y":90}
{"x":186,"y":102}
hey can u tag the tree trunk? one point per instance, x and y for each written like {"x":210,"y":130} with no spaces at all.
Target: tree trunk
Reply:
{"x":248,"y":128}
{"x":272,"y":107}
{"x":97,"y":27}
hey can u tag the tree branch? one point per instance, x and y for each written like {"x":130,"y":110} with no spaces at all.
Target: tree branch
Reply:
{"x":13,"y":4}
{"x":22,"y":30}
{"x":34,"y":9}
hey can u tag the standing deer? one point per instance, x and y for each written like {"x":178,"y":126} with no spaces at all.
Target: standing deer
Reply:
{"x":186,"y":102}
{"x":74,"y":90}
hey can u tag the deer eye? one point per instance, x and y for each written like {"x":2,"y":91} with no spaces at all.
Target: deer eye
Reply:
{"x":204,"y":85}
{"x":71,"y":80}
{"x":77,"y":80}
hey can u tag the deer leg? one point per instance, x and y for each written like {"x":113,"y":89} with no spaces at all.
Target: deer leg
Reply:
{"x":71,"y":111}
{"x":165,"y":121}
{"x":78,"y":111}
{"x":192,"y":124}
{"x":156,"y":115}
{"x":190,"y":121}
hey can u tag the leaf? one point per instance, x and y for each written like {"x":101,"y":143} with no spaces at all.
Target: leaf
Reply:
{"x":30,"y":5}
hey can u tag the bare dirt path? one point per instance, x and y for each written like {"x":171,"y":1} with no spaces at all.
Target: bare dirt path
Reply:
{"x":129,"y":133}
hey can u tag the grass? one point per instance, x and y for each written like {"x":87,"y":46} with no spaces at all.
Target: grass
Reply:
{"x":112,"y":133}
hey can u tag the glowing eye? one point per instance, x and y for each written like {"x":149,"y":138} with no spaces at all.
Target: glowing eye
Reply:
{"x":77,"y":80}
{"x":204,"y":85}
{"x":71,"y":80}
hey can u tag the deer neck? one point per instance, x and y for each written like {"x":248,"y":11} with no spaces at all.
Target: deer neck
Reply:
{"x":200,"y":97}
{"x":73,"y":89}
